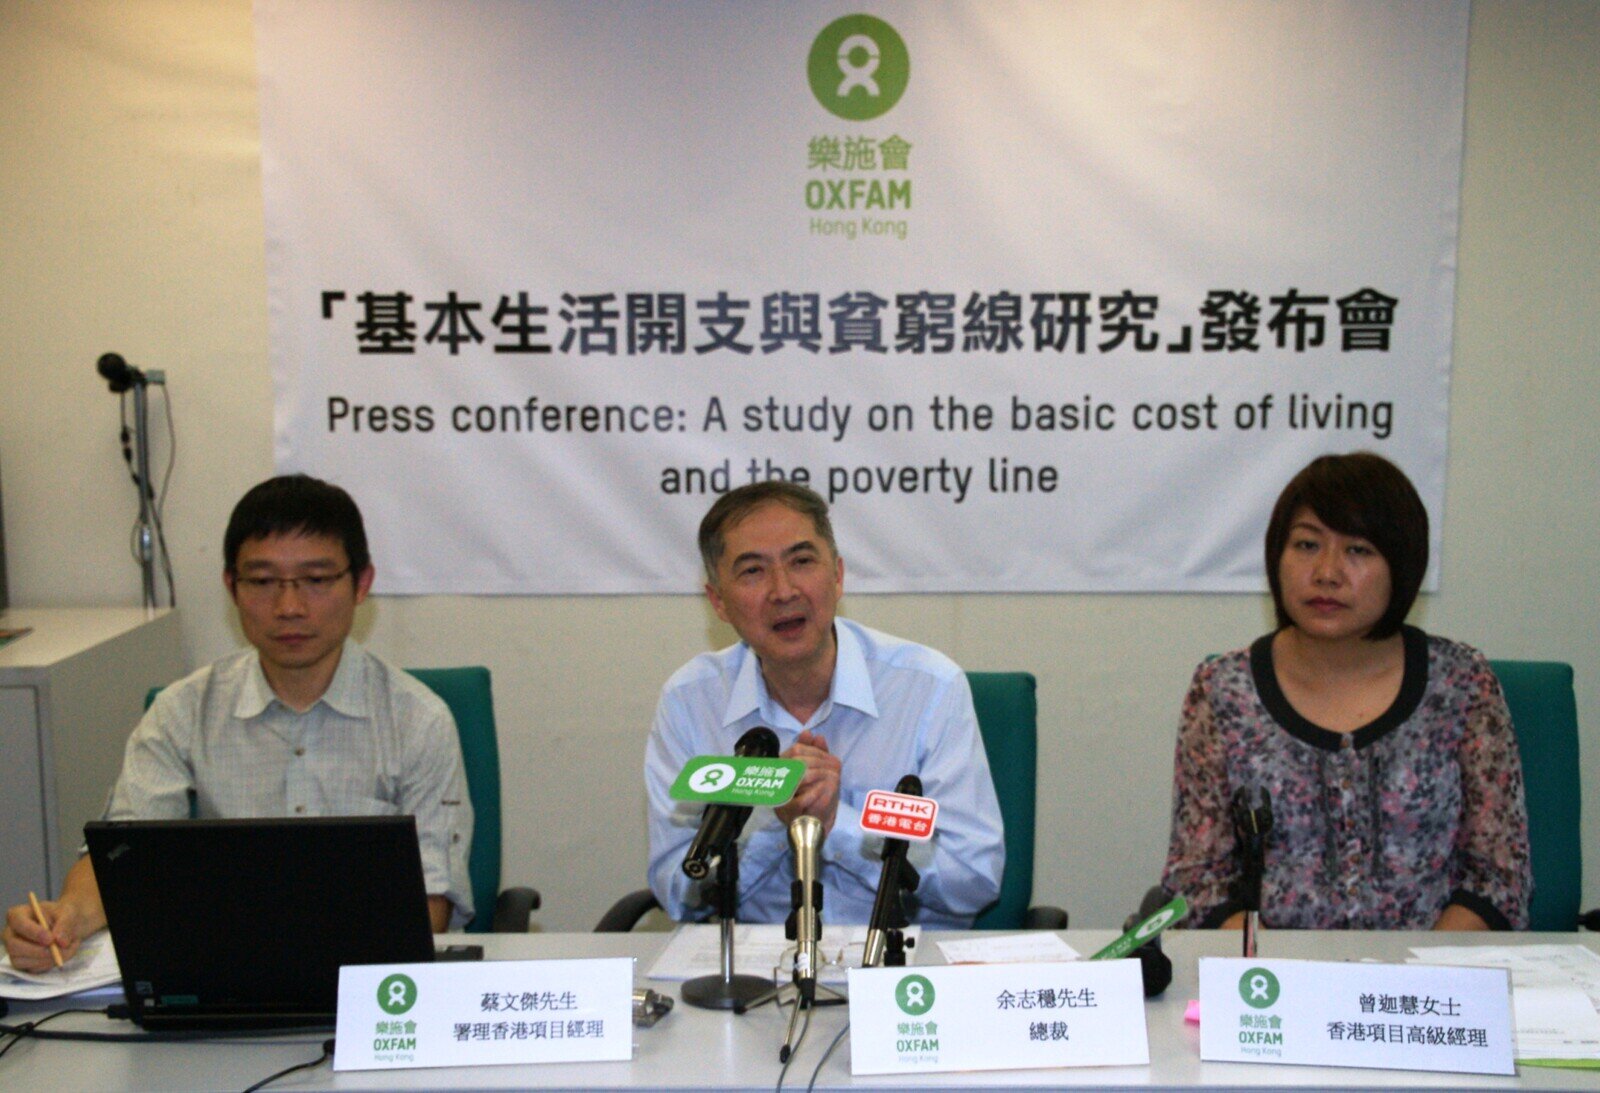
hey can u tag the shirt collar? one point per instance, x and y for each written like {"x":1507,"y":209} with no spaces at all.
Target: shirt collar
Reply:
{"x":346,"y":693}
{"x":851,"y":685}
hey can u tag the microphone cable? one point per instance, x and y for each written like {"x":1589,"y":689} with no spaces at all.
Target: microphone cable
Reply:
{"x":826,"y":1055}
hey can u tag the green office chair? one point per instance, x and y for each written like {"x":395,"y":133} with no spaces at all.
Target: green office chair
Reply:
{"x":1545,"y":715}
{"x":1008,"y":717}
{"x":467,"y":692}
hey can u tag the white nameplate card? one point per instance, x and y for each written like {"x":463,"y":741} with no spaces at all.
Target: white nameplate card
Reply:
{"x":484,"y":1013}
{"x":997,"y":1017}
{"x":1385,"y":1016}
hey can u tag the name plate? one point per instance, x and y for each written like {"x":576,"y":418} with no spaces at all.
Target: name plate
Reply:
{"x":484,"y":1013}
{"x":1384,"y":1016}
{"x":997,"y":1017}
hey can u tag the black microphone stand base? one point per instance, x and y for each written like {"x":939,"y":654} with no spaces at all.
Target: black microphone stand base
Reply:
{"x":713,"y":992}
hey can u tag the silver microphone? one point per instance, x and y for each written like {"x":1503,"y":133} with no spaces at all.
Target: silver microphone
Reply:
{"x":805,"y":839}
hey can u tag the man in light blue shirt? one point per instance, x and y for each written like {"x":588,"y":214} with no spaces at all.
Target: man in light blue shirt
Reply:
{"x":860,"y":708}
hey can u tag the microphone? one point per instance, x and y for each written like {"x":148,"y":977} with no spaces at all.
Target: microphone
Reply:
{"x":805,"y":923}
{"x":720,"y":824}
{"x":897,"y":876}
{"x":117,"y":372}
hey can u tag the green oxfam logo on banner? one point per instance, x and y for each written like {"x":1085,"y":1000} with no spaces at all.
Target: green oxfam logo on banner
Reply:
{"x":397,"y":994}
{"x":858,"y":67}
{"x":914,"y":994}
{"x":1259,"y":988}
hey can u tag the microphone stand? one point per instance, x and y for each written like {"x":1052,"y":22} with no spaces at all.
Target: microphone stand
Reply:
{"x":729,"y":990}
{"x":1251,"y":825}
{"x":122,"y":377}
{"x":886,"y":945}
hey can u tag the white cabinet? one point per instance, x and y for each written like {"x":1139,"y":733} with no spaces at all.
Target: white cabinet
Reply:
{"x":70,"y":693}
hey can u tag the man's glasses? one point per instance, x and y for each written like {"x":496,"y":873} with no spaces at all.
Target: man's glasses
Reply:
{"x":263,"y":588}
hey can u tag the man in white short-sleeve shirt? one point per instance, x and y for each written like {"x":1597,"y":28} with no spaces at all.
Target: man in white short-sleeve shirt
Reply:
{"x":305,"y":723}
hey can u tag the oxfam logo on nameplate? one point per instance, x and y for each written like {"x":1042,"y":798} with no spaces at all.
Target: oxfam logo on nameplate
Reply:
{"x":397,"y":993}
{"x":1259,"y":988}
{"x":858,"y":67}
{"x":914,"y":995}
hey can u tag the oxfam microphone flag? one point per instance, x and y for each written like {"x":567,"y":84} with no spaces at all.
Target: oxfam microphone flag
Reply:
{"x":1040,"y":297}
{"x":738,"y":780}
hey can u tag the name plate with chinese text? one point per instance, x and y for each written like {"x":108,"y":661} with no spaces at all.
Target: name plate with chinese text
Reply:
{"x":997,"y":1017}
{"x":1384,"y":1016}
{"x":401,"y":1016}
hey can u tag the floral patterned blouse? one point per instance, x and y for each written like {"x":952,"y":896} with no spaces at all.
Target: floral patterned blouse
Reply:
{"x":1380,"y":828}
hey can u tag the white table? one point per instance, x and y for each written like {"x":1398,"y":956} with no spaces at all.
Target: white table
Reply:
{"x":699,"y":1049}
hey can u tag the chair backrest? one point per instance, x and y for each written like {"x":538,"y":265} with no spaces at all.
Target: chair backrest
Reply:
{"x":1545,"y":713}
{"x":1008,"y":716}
{"x":468,"y":693}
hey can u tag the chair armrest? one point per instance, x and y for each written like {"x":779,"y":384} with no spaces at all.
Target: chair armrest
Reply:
{"x":513,"y":909}
{"x":1590,"y":920}
{"x":1044,"y":917}
{"x":626,"y":912}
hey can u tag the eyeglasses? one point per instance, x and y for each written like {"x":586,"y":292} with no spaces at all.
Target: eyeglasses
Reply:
{"x":262,"y":588}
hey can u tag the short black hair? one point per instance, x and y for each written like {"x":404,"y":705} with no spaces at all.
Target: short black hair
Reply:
{"x":1365,"y":495}
{"x":736,"y":504}
{"x":297,"y":504}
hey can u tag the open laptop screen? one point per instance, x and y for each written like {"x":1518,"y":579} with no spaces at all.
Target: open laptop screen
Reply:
{"x":233,"y":923}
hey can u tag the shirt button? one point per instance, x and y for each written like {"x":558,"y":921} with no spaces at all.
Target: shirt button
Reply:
{"x":300,"y":751}
{"x":299,"y":810}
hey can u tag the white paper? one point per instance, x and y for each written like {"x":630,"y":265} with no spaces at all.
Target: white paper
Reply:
{"x":93,"y":965}
{"x":1555,"y":993}
{"x":1038,"y":946}
{"x":696,"y":950}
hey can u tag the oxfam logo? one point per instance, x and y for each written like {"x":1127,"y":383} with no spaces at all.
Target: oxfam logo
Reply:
{"x":1259,"y":988}
{"x":397,"y":994}
{"x":858,"y":67}
{"x":914,"y":994}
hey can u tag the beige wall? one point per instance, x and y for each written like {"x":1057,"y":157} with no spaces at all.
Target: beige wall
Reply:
{"x":131,"y":220}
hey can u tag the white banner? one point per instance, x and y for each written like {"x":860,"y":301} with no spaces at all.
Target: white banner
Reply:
{"x":1041,"y":296}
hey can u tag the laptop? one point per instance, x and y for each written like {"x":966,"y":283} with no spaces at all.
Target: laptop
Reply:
{"x":228,"y":924}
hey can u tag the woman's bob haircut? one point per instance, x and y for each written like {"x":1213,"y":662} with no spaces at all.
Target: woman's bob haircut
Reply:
{"x":1364,"y":495}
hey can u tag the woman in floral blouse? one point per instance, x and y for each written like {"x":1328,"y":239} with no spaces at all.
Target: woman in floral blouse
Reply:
{"x":1396,"y":788}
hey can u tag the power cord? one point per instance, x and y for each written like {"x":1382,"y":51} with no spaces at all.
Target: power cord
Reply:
{"x":327,"y":1053}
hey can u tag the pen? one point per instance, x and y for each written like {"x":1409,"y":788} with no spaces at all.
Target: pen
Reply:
{"x":38,"y":913}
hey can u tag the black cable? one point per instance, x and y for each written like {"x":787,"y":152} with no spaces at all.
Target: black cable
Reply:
{"x":158,"y":1036}
{"x":25,"y":1030}
{"x":826,"y":1055}
{"x":159,"y":501}
{"x":327,"y":1053}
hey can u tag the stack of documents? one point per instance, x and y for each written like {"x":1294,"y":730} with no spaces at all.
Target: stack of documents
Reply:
{"x":93,"y":966}
{"x":1555,"y":997}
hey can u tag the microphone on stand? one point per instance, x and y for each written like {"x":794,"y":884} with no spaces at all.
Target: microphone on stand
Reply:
{"x":117,"y":373}
{"x":1252,"y":823}
{"x":805,"y":922}
{"x":720,"y":825}
{"x":898,"y":876}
